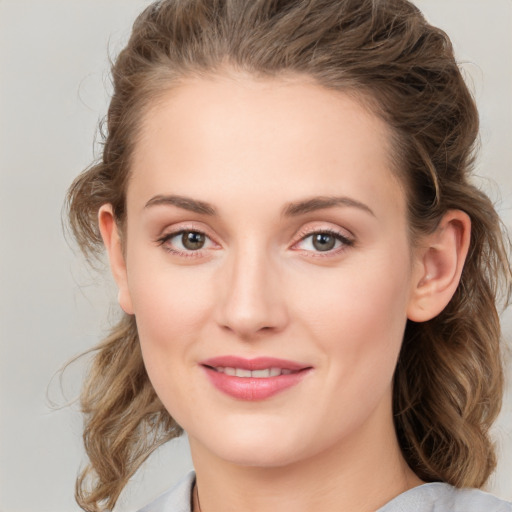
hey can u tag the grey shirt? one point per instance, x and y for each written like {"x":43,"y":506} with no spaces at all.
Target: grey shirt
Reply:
{"x":433,"y":497}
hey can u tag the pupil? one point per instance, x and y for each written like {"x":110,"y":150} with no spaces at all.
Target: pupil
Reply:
{"x":192,"y":240}
{"x":323,"y":242}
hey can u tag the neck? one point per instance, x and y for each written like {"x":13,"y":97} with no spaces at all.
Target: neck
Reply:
{"x":360,"y":474}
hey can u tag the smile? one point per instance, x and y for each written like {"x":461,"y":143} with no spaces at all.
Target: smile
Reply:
{"x":257,"y":374}
{"x":253,"y":379}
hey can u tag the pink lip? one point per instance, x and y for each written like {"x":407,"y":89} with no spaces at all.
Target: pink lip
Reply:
{"x":252,"y":388}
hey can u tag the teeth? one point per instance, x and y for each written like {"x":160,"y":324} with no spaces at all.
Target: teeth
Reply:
{"x":258,"y":374}
{"x":261,"y":373}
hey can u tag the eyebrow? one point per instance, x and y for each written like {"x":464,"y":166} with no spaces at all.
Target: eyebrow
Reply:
{"x":186,"y":203}
{"x":291,"y":210}
{"x":319,"y":203}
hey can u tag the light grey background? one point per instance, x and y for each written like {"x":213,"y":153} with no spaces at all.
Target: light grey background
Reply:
{"x":53,"y":90}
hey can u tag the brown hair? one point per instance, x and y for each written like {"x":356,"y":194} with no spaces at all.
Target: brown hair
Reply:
{"x":449,"y":378}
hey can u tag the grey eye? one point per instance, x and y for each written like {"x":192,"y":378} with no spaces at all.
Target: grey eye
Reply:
{"x":323,"y":241}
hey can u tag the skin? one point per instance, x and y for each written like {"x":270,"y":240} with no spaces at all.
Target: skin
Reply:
{"x":260,"y":287}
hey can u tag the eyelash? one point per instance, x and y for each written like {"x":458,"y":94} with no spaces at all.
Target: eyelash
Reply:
{"x":345,"y":242}
{"x":162,"y":241}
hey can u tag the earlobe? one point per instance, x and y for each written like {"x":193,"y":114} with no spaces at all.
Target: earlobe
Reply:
{"x":439,"y":265}
{"x":112,"y":241}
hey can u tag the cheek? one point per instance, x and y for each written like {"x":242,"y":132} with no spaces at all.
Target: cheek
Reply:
{"x":357,"y":314}
{"x":170,"y":310}
{"x":364,"y":294}
{"x":171,"y":305}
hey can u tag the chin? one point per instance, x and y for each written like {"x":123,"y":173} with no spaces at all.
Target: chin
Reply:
{"x":252,"y":447}
{"x":257,"y":456}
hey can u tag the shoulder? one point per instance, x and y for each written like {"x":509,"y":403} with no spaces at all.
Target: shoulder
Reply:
{"x":441,"y":497}
{"x":176,"y":499}
{"x":432,"y":497}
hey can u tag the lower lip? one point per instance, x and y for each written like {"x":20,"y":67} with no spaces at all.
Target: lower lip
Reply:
{"x":251,"y":388}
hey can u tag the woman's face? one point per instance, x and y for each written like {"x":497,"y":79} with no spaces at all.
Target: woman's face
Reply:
{"x":268,"y":267}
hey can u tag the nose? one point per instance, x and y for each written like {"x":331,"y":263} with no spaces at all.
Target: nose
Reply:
{"x":252,"y":300}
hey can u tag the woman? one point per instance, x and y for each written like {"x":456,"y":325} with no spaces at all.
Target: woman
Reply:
{"x":309,"y":279}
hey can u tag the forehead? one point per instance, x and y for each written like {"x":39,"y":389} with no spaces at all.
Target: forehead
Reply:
{"x":228,"y":137}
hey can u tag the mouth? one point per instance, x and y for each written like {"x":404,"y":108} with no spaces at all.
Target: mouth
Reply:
{"x":253,"y":379}
{"x":256,"y":374}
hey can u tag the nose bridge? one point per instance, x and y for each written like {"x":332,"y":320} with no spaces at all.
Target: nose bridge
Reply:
{"x":252,"y":299}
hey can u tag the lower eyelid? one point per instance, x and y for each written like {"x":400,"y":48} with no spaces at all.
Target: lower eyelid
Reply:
{"x":164,"y":239}
{"x":345,"y":240}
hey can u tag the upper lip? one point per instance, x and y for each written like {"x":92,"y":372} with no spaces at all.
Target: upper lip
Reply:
{"x":258,"y":363}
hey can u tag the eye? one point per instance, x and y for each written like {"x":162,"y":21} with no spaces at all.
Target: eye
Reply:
{"x":185,"y":241}
{"x":324,"y":241}
{"x":192,"y":240}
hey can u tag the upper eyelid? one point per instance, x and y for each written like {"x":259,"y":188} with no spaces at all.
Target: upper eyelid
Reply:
{"x":345,"y":241}
{"x":173,"y":230}
{"x":308,"y":231}
{"x":336,"y":234}
{"x":300,"y":234}
{"x":163,"y":241}
{"x":303,"y":235}
{"x":164,"y":237}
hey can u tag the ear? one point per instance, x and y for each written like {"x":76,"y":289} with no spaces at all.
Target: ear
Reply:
{"x":438,"y":266}
{"x":112,"y":240}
